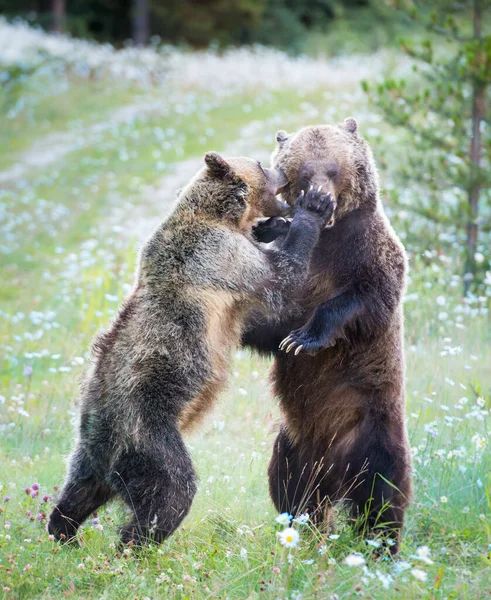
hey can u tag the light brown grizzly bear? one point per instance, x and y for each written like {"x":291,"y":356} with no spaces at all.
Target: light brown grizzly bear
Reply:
{"x":166,"y":356}
{"x":339,"y":364}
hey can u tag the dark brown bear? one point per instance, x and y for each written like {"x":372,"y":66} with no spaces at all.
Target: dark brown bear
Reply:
{"x":166,"y":356}
{"x":339,"y":373}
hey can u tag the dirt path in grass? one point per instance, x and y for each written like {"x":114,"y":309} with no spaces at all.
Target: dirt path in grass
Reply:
{"x":136,"y":218}
{"x":138,"y":221}
{"x":55,"y":146}
{"x":341,"y":74}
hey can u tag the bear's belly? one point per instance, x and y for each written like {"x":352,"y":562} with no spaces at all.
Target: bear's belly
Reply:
{"x":313,"y":397}
{"x":324,"y":396}
{"x":223,"y":315}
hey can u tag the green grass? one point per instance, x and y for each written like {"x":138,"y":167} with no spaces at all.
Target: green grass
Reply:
{"x":71,"y":106}
{"x":66,"y":271}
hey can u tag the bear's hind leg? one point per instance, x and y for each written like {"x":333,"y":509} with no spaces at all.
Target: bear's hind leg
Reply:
{"x":379,"y":516}
{"x":82,"y":494}
{"x":381,"y":500}
{"x":158,"y":483}
{"x":294,"y":483}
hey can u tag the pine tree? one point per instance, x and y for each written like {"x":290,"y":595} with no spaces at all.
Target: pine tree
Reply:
{"x":59,"y":10}
{"x":141,"y":22}
{"x":445,"y":113}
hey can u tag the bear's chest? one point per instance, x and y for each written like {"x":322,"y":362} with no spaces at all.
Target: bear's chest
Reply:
{"x":322,"y":279}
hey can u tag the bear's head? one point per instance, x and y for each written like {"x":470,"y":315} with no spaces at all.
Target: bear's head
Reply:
{"x":245,"y":189}
{"x":333,"y":157}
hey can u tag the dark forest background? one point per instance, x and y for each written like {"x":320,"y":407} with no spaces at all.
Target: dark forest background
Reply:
{"x":282,"y":23}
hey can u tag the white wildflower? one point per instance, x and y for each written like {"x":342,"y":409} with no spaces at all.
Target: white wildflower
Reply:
{"x":284,"y":519}
{"x":479,"y":441}
{"x":431,"y":428}
{"x":423,"y":554}
{"x":289,"y":537}
{"x":354,"y":560}
{"x":302,"y":519}
{"x":401,"y":566}
{"x":384,"y":579}
{"x":419,"y":574}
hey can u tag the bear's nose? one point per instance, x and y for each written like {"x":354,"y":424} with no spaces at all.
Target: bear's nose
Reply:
{"x":323,"y":184}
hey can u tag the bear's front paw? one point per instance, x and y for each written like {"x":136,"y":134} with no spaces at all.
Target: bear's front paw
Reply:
{"x":302,"y":340}
{"x":270,"y":229}
{"x":318,"y":205}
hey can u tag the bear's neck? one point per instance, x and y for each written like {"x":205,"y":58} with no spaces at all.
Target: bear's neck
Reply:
{"x":359,"y":200}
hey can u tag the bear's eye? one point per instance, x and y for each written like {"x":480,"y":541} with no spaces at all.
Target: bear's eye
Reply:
{"x":304,"y":181}
{"x":332,"y":172}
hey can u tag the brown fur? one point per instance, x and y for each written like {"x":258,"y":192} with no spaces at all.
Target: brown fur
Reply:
{"x":342,"y":396}
{"x":223,"y":316}
{"x":166,"y":356}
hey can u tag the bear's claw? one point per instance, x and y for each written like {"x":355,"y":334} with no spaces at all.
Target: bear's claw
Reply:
{"x":301,"y":340}
{"x":289,"y":343}
{"x":318,"y":204}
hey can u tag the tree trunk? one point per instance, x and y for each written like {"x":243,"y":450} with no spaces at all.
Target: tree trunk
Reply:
{"x":478,"y":113}
{"x":141,"y":22}
{"x":58,"y":15}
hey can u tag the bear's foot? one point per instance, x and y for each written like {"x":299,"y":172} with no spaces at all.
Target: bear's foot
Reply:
{"x":134,"y":535}
{"x":62,"y":528}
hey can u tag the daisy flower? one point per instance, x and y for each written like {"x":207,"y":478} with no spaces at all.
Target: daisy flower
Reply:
{"x":284,"y":519}
{"x":302,"y":519}
{"x":419,"y":574}
{"x":423,"y":554}
{"x":289,"y":537}
{"x":354,"y":560}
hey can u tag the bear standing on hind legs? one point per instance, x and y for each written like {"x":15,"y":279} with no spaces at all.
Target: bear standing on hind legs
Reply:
{"x":166,"y":356}
{"x":339,"y":362}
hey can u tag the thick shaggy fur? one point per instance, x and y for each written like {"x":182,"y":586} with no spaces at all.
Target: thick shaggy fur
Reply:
{"x":342,"y":397}
{"x":166,"y":356}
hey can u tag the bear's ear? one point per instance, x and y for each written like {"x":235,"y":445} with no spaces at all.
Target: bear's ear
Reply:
{"x":281,"y":136}
{"x":217,"y":165}
{"x":351,"y":126}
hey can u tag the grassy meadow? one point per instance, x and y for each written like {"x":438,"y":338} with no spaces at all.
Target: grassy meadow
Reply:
{"x":92,"y":150}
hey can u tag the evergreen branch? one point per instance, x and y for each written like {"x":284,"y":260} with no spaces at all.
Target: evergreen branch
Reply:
{"x":432,"y":215}
{"x":448,"y":33}
{"x":396,"y":120}
{"x":460,"y":6}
